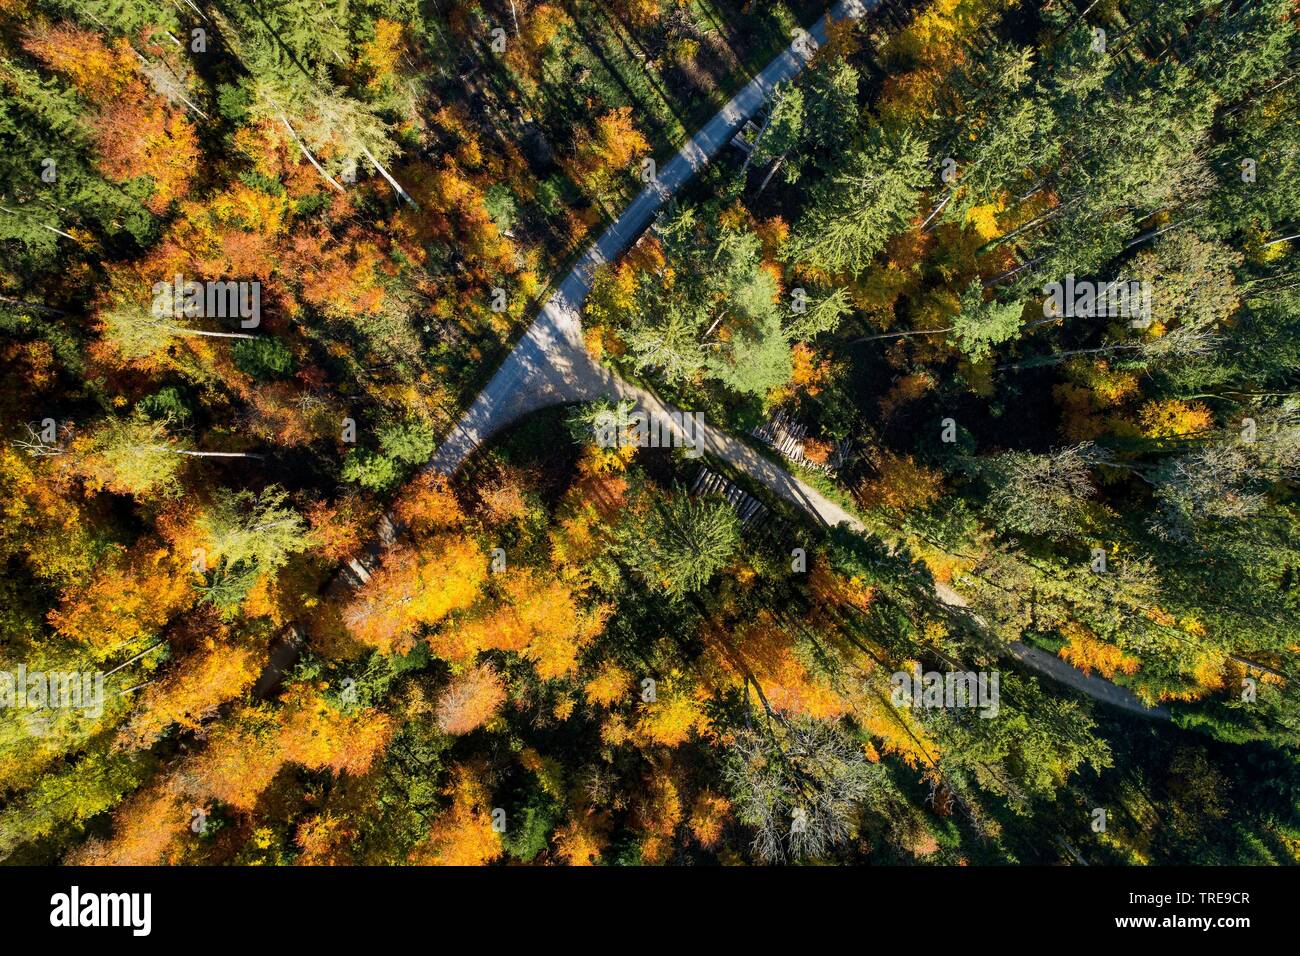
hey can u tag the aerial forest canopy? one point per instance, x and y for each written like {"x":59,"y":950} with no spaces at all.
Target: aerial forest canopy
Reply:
{"x":1008,"y":286}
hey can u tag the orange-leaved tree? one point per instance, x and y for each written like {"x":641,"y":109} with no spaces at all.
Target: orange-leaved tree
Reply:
{"x":194,"y":687}
{"x":136,"y":131}
{"x":414,"y":587}
{"x":538,"y":617}
{"x":470,"y":700}
{"x":463,"y":834}
{"x":600,"y":155}
{"x":130,"y":599}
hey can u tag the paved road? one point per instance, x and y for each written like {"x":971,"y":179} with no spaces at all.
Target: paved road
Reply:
{"x":551,"y":366}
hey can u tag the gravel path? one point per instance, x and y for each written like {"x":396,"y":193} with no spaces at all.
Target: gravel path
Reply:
{"x":550,"y":365}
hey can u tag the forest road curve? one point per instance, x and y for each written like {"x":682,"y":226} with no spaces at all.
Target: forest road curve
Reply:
{"x":550,"y":365}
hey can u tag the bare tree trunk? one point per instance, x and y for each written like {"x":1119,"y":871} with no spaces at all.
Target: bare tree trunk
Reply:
{"x":709,"y":330}
{"x":1156,"y":232}
{"x":33,"y":306}
{"x":391,"y":181}
{"x":937,"y":209}
{"x":133,"y":659}
{"x":123,"y":693}
{"x":1037,"y":188}
{"x":60,"y":232}
{"x":1017,"y":269}
{"x":310,"y":158}
{"x":1056,"y":358}
{"x":214,"y":454}
{"x":1045,"y":217}
{"x":899,"y":335}
{"x":1283,"y":239}
{"x":770,"y":173}
{"x":216,"y":335}
{"x":178,"y":90}
{"x":1087,"y":10}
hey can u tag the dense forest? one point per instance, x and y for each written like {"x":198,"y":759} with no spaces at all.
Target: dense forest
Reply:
{"x":1011,"y":282}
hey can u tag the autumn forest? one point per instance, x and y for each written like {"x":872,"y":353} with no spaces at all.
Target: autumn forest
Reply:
{"x":912,"y":482}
